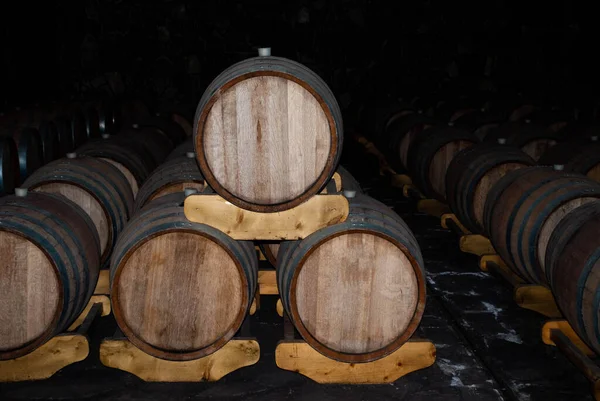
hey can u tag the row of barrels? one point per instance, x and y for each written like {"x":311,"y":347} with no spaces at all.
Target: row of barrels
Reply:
{"x":539,"y":209}
{"x":33,"y":137}
{"x":60,"y":229}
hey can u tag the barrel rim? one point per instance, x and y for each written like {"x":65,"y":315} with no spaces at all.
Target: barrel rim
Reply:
{"x":321,"y":181}
{"x":167,"y":354}
{"x":53,"y":326}
{"x":368,"y":356}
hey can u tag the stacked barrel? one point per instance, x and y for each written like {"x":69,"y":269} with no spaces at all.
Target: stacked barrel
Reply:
{"x":268,"y":137}
{"x":527,"y":184}
{"x":66,"y":219}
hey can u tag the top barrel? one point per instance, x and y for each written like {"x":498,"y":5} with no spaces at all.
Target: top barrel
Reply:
{"x":268,"y":134}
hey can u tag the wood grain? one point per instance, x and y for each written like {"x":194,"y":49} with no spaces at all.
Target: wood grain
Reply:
{"x":486,"y":183}
{"x":123,"y":355}
{"x":318,"y":212}
{"x":440,"y":162}
{"x":127,"y":173}
{"x":297,"y":356}
{"x":267,"y":282}
{"x":88,"y":203}
{"x":538,"y":147}
{"x":364,"y":306}
{"x":266,"y":140}
{"x":178,"y":187}
{"x":29,"y":292}
{"x":180,"y":292}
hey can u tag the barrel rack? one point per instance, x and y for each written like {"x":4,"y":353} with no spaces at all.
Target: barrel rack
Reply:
{"x":60,"y":351}
{"x":291,"y":354}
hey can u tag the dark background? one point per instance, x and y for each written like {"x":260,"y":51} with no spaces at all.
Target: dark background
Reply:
{"x":365,"y":50}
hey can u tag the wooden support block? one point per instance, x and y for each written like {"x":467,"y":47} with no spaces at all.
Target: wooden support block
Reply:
{"x":236,"y":354}
{"x":476,"y":244}
{"x":432,"y":207}
{"x":267,"y":282}
{"x":318,"y":212}
{"x":400,"y":180}
{"x":495,"y":265}
{"x":103,"y":285}
{"x":259,"y":253}
{"x":449,"y":221}
{"x":279,"y":307}
{"x":96,"y":299}
{"x":337,"y":179}
{"x":411,"y":192}
{"x":60,"y":351}
{"x":538,"y":299}
{"x":298,"y":356}
{"x":561,"y":325}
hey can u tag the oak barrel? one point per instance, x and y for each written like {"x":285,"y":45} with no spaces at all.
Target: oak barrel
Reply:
{"x":98,"y":187}
{"x":92,"y":123}
{"x":50,"y":142}
{"x":268,"y":134}
{"x":71,"y":132}
{"x":573,"y":270}
{"x":193,"y":284}
{"x":430,"y":155}
{"x":400,"y":134}
{"x":471,"y":175}
{"x":167,"y":127}
{"x":355,"y":291}
{"x":156,"y":144}
{"x":524,"y":210}
{"x":9,"y":165}
{"x":182,"y":149}
{"x":29,"y":148}
{"x":120,"y":154}
{"x":533,"y":139}
{"x":49,"y":265}
{"x":172,"y":176}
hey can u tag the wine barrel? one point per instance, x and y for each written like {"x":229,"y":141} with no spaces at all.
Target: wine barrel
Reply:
{"x":193,"y":284}
{"x":49,"y":265}
{"x":371,"y":284}
{"x":109,"y":117}
{"x":129,"y":162}
{"x":179,"y":115}
{"x":168,"y":128}
{"x":98,"y":187}
{"x":430,"y":155}
{"x":29,"y":148}
{"x":153,"y":141}
{"x":49,"y":139}
{"x":268,"y":134}
{"x":525,"y":208}
{"x":400,"y":134}
{"x":9,"y":166}
{"x":480,"y":122}
{"x":92,"y":123}
{"x":471,"y":175}
{"x":531,"y":138}
{"x":172,"y":176}
{"x":182,"y":149}
{"x":71,"y":132}
{"x":349,"y":183}
{"x":573,"y":270}
{"x":564,"y":152}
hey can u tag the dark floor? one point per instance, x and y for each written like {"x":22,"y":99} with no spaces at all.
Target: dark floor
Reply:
{"x":487,"y":347}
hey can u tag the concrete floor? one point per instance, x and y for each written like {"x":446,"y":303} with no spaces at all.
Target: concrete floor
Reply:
{"x":487,"y":347}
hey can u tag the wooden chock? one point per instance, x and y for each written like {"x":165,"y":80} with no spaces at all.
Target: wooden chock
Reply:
{"x":279,"y":307}
{"x":560,"y":334}
{"x":449,"y":221}
{"x":400,"y":180}
{"x":236,"y":354}
{"x":476,"y":244}
{"x":103,"y":285}
{"x":61,"y":351}
{"x":95,"y":299}
{"x":432,"y":207}
{"x":411,"y":192}
{"x":318,"y":212}
{"x":298,"y":356}
{"x":267,"y":282}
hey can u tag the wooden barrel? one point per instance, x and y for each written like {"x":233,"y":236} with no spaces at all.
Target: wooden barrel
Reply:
{"x":430,"y":155}
{"x":109,"y":117}
{"x":48,"y":269}
{"x":533,"y":139}
{"x":578,"y":156}
{"x":371,"y":284}
{"x":167,"y":127}
{"x":573,"y":270}
{"x":29,"y":148}
{"x":564,"y":152}
{"x":98,"y":187}
{"x":71,"y":132}
{"x":181,"y":116}
{"x":172,"y":176}
{"x":268,"y":134}
{"x":182,"y":149}
{"x":349,"y":183}
{"x":152,"y":140}
{"x":49,"y":139}
{"x":524,"y":210}
{"x":400,"y":134}
{"x":471,"y":175}
{"x":193,"y":284}
{"x":9,"y":166}
{"x":92,"y":123}
{"x":480,"y":122}
{"x":124,"y":157}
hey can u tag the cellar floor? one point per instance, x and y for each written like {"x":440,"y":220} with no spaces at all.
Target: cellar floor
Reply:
{"x":487,"y":347}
